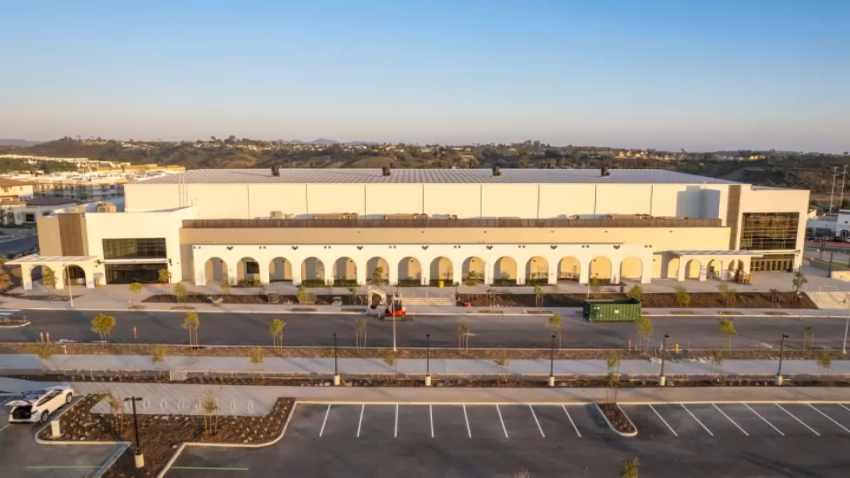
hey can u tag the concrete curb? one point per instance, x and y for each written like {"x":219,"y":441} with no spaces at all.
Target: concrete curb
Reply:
{"x":618,"y":432}
{"x":179,"y":451}
{"x":15,"y":326}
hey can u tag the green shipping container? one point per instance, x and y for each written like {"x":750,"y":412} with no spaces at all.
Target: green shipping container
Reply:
{"x":611,"y":310}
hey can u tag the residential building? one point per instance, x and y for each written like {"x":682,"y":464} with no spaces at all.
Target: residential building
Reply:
{"x":15,"y":190}
{"x":502,"y":227}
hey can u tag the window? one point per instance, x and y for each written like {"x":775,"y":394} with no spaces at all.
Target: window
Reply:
{"x":769,"y":231}
{"x":252,"y":268}
{"x":153,"y":248}
{"x":130,"y":273}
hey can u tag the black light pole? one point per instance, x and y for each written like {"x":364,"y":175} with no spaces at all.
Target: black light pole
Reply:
{"x":427,"y":360}
{"x":662,"y":380}
{"x":140,"y":458}
{"x":336,"y":367}
{"x":781,"y":353}
{"x":552,"y":362}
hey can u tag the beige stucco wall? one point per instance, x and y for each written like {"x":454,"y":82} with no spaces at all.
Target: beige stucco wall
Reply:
{"x":248,"y":201}
{"x":778,"y":200}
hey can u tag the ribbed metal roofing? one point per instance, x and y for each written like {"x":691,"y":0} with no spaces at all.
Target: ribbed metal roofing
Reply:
{"x":433,"y":176}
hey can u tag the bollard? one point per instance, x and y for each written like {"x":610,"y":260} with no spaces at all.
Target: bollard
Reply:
{"x":140,"y":460}
{"x":55,"y":430}
{"x":336,"y":380}
{"x":47,"y":334}
{"x":41,"y":336}
{"x":677,"y":348}
{"x":134,"y":333}
{"x":551,"y":380}
{"x":778,"y":381}
{"x":630,"y":345}
{"x":662,"y":381}
{"x":428,"y":380}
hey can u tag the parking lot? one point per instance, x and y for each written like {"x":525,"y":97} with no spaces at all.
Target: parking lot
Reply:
{"x":336,"y":440}
{"x":20,"y":455}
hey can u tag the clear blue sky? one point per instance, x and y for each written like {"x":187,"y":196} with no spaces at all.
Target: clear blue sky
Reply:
{"x":699,"y":75}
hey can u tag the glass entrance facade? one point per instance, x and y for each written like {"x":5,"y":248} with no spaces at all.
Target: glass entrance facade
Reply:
{"x":773,"y":263}
{"x":129,"y":273}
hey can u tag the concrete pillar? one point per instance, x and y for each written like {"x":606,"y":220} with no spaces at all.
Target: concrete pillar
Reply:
{"x":360,"y":274}
{"x":296,"y":275}
{"x":646,"y":271}
{"x":200,"y":272}
{"x":683,"y":267}
{"x":26,"y":276}
{"x":264,"y":273}
{"x":89,"y":270}
{"x":457,"y":271}
{"x":616,"y":264}
{"x":703,"y":272}
{"x":488,"y":273}
{"x":584,"y":274}
{"x":59,"y":273}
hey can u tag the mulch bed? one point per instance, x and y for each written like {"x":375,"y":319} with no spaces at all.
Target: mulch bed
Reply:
{"x":403,"y":353}
{"x":615,"y":416}
{"x":161,"y":435}
{"x":13,"y":322}
{"x":745,"y":300}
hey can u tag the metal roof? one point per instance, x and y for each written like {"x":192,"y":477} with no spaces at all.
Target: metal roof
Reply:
{"x":433,"y":176}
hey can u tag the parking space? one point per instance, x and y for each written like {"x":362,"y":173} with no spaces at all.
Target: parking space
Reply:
{"x":422,"y":440}
{"x":722,"y":421}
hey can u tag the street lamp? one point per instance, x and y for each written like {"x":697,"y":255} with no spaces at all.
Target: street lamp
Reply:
{"x":781,"y":353}
{"x":846,"y":326}
{"x":140,"y":458}
{"x":67,"y":272}
{"x":336,"y":366}
{"x":552,"y":362}
{"x":427,"y":360}
{"x":662,"y":380}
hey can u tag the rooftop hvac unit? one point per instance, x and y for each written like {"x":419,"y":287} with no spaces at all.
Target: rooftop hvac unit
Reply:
{"x":277,"y":215}
{"x":106,"y":207}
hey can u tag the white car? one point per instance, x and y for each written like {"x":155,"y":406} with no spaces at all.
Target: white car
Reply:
{"x":37,"y":405}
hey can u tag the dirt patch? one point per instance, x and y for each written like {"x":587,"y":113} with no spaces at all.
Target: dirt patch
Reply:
{"x":744,"y":300}
{"x":161,"y":435}
{"x":617,"y":418}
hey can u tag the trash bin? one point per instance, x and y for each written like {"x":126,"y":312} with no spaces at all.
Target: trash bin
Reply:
{"x":273,"y":297}
{"x":441,"y":284}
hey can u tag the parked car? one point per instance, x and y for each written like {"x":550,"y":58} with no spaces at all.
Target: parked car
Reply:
{"x":37,"y":405}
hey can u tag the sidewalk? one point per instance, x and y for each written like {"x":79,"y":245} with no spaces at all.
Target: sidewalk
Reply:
{"x":445,"y":367}
{"x":248,"y":400}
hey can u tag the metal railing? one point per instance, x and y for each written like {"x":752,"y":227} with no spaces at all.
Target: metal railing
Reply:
{"x":442,"y":223}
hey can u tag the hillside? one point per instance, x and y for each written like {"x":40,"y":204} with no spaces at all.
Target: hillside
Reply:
{"x":793,"y":170}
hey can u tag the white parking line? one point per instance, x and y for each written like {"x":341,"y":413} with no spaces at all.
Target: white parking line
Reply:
{"x":842,"y":406}
{"x":571,"y":421}
{"x":536,"y":421}
{"x":325,"y":420}
{"x":431,"y":413}
{"x":765,"y":420}
{"x":795,"y":418}
{"x":503,"y":422}
{"x":395,"y":433}
{"x":730,"y":419}
{"x":465,"y":417}
{"x":664,"y":421}
{"x":830,"y":418}
{"x":697,"y":419}
{"x":360,"y":423}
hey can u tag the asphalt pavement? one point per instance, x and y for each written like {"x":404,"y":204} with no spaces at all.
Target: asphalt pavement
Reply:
{"x":486,"y":331}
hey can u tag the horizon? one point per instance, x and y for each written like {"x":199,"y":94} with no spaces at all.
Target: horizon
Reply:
{"x":661,"y":75}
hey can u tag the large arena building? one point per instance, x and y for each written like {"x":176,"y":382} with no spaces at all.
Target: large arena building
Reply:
{"x":514,"y":226}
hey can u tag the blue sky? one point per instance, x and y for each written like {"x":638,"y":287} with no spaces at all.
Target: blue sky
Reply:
{"x":644,"y":74}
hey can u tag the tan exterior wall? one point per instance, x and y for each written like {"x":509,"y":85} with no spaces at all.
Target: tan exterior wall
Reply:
{"x":396,"y":198}
{"x":49,"y":243}
{"x":509,"y":200}
{"x":623,"y":198}
{"x":778,"y":200}
{"x":146,"y":197}
{"x":461,"y":199}
{"x":580,"y":199}
{"x":286,"y":198}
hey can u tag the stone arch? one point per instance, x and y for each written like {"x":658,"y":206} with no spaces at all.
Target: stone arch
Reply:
{"x":473,"y":265}
{"x":505,"y":268}
{"x":345,"y":269}
{"x":280,"y":270}
{"x":76,"y":275}
{"x":247,"y":269}
{"x":692,"y":269}
{"x":673,"y":268}
{"x":410,"y":269}
{"x":313,"y":269}
{"x":442,"y":269}
{"x":377,"y":264}
{"x":631,"y":268}
{"x":38,"y":272}
{"x":600,"y":268}
{"x":715,"y":269}
{"x":569,"y":268}
{"x":215,"y":270}
{"x":537,"y":270}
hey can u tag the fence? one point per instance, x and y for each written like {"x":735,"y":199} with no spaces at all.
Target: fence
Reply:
{"x":438,"y":223}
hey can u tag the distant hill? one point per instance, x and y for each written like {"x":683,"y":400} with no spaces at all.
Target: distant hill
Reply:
{"x":18,"y":142}
{"x":324,"y":142}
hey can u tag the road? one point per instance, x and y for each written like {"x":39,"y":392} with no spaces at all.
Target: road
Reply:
{"x":18,"y":245}
{"x":487,"y":331}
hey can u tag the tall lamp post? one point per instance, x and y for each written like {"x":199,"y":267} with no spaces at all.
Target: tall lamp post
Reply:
{"x":140,"y":458}
{"x":781,"y":353}
{"x":427,"y":360}
{"x":552,"y":362}
{"x":662,"y":380}
{"x":67,"y":273}
{"x":846,"y":326}
{"x":336,"y":365}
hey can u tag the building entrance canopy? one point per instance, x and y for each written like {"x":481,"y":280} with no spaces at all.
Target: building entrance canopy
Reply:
{"x":715,"y":264}
{"x":84,"y":271}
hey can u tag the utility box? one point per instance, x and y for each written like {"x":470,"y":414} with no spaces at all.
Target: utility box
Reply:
{"x":273,"y":297}
{"x":611,"y":310}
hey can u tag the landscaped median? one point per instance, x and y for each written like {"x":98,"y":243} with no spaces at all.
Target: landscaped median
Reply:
{"x":161,"y":436}
{"x":617,"y":419}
